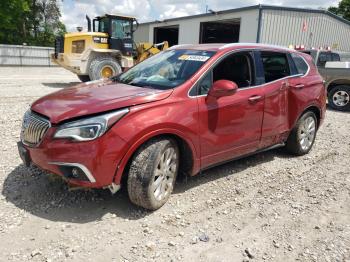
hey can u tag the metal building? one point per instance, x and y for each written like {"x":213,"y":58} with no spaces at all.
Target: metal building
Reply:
{"x":276,"y":25}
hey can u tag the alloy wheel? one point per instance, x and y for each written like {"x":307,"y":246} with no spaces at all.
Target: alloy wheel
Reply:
{"x":165,"y":174}
{"x":307,"y":133}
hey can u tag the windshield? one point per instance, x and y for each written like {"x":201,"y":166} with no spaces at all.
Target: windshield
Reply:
{"x":166,"y":70}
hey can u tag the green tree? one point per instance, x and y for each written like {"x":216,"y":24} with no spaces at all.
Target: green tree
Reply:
{"x":13,"y":25}
{"x":343,"y":9}
{"x":48,"y":22}
{"x":35,"y":22}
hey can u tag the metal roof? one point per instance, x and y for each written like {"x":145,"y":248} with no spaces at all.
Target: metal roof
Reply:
{"x":261,"y":7}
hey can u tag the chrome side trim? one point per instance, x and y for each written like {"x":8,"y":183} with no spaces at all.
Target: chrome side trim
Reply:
{"x":82,"y":167}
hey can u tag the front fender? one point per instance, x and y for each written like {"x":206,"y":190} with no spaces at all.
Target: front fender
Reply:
{"x":140,"y":139}
{"x":171,"y":116}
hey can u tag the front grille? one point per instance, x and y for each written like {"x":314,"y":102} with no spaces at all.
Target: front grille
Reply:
{"x":34,"y":127}
{"x":59,"y":45}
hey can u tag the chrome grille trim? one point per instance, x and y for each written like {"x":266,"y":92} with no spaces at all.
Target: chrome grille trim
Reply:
{"x":34,"y":128}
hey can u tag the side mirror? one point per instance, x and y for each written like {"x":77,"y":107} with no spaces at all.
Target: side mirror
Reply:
{"x":222,"y":88}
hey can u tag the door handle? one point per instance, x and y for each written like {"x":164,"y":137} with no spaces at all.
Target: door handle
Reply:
{"x":299,"y":86}
{"x":254,"y":99}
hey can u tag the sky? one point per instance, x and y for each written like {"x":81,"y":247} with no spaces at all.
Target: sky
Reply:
{"x":74,"y":11}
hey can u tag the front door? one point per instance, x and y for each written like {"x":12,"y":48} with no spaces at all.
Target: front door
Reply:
{"x":230,"y":126}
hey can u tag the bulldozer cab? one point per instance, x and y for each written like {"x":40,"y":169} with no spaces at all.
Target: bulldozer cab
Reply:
{"x":120,"y":30}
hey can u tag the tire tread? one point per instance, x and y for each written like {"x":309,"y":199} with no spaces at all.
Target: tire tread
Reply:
{"x":141,"y":171}
{"x":292,"y":144}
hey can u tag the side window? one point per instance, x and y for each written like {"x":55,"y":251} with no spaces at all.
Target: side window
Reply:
{"x":301,"y":65}
{"x":276,"y":66}
{"x":323,"y":58}
{"x":335,"y":57}
{"x":205,"y":84}
{"x":238,"y":67}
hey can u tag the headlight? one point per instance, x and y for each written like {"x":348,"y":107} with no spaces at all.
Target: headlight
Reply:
{"x":89,"y":128}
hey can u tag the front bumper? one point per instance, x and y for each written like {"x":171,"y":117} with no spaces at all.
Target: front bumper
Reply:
{"x":95,"y":162}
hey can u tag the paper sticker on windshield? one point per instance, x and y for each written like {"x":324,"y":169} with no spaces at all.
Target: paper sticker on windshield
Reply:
{"x":199,"y":58}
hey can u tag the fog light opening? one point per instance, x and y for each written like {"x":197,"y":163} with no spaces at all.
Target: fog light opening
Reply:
{"x":75,"y":171}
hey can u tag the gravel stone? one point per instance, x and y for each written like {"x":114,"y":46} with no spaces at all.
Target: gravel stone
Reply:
{"x":301,"y":203}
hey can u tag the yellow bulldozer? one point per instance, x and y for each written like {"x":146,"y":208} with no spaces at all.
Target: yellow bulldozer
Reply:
{"x":106,"y":49}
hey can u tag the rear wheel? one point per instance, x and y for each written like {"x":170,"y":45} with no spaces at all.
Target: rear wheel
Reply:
{"x":104,"y":67}
{"x":84,"y":78}
{"x":153,"y":172}
{"x":302,"y":137}
{"x":339,"y":98}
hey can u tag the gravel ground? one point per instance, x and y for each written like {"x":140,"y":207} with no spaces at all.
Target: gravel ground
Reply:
{"x":269,"y":206}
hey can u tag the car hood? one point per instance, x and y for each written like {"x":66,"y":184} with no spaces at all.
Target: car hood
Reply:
{"x":92,"y":98}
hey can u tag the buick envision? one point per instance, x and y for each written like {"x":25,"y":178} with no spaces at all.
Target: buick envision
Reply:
{"x":181,"y":111}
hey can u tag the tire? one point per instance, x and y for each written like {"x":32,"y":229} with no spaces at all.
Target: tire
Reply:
{"x":339,"y":98}
{"x":99,"y":64}
{"x":84,"y":78}
{"x":143,"y":175}
{"x":302,"y":137}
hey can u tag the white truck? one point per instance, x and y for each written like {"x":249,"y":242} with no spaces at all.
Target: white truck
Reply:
{"x":336,"y":73}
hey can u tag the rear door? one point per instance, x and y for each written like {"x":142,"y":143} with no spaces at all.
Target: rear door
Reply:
{"x":276,"y":70}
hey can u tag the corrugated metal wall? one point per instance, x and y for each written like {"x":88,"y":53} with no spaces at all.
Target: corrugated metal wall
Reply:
{"x":142,"y":33}
{"x":25,"y":55}
{"x":189,"y":28}
{"x":281,"y":27}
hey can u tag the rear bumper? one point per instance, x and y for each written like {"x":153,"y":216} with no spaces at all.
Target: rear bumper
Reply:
{"x":95,"y":162}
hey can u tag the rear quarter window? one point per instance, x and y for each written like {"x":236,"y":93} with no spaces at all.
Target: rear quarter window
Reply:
{"x":300,"y":64}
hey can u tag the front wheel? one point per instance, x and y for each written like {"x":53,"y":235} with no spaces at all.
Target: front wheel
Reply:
{"x":339,"y":98}
{"x":302,"y":137}
{"x":153,"y":172}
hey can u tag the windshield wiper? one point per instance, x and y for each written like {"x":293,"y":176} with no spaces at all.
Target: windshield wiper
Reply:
{"x":115,"y":79}
{"x":136,"y":84}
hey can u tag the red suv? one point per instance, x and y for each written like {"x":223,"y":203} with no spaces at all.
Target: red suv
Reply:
{"x":181,"y":111}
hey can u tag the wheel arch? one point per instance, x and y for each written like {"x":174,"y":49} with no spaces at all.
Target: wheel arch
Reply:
{"x":92,"y":53}
{"x":188,"y":154}
{"x":316,"y":110}
{"x":338,"y":82}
